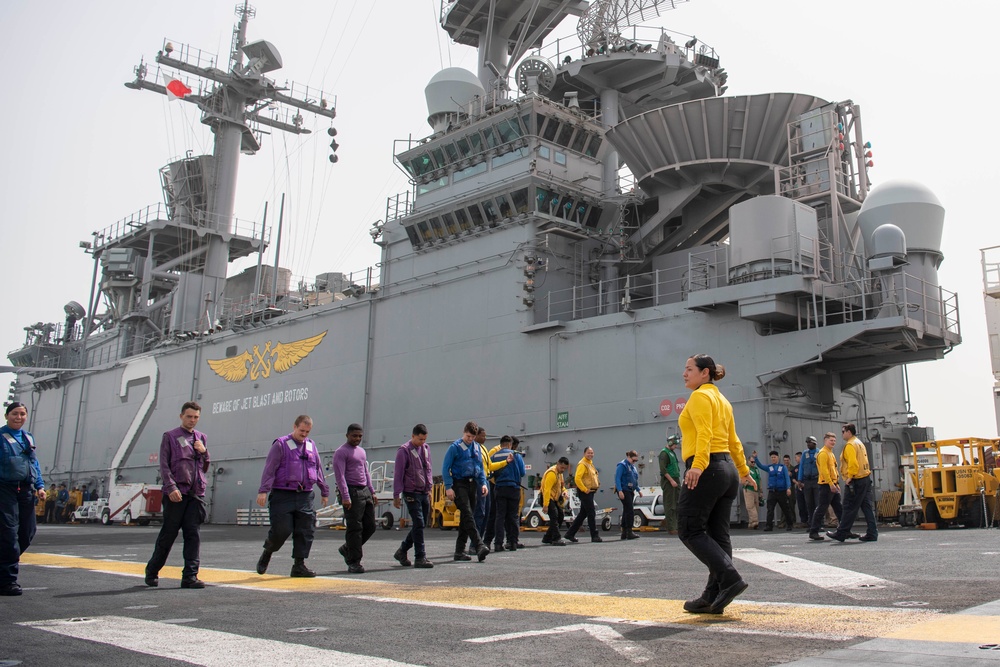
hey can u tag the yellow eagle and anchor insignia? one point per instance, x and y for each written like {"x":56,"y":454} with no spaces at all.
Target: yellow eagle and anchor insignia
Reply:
{"x":260,"y":363}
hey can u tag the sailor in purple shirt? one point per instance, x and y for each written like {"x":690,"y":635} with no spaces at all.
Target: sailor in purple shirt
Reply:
{"x":184,"y":460}
{"x":357,"y":495}
{"x":413,"y":479}
{"x":292,"y":468}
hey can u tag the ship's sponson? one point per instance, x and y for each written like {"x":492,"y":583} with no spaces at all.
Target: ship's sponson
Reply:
{"x":729,"y":140}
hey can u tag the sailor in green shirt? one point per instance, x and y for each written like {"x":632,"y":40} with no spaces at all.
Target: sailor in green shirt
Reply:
{"x":670,"y":475}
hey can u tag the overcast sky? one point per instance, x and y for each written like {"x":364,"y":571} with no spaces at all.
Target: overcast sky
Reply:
{"x":81,"y":151}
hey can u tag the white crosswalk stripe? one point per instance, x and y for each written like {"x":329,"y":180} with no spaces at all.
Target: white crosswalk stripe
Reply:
{"x":197,"y":646}
{"x":832,"y":578}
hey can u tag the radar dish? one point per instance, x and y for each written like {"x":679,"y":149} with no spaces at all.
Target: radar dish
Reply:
{"x":605,"y":20}
{"x":538,"y":67}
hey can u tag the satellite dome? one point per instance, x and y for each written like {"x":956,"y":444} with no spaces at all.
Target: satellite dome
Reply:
{"x":887,"y":241}
{"x":908,"y":205}
{"x":449,"y":92}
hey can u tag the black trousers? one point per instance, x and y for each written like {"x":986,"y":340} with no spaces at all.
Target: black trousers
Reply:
{"x":419,"y":507}
{"x":810,"y":491}
{"x":487,"y":528}
{"x":588,"y":512}
{"x":858,"y":495}
{"x":292,"y":514}
{"x":466,"y":498}
{"x":827,"y":498}
{"x":628,"y":511}
{"x":703,"y":521}
{"x":17,"y":527}
{"x":556,"y":518}
{"x":782,"y":499}
{"x":185,"y":516}
{"x":360,"y":523}
{"x":505,"y":502}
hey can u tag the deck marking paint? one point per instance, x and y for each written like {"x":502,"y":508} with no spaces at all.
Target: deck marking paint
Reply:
{"x":197,"y":646}
{"x":423,"y":603}
{"x":602,"y":633}
{"x":744,"y":615}
{"x":829,"y":577}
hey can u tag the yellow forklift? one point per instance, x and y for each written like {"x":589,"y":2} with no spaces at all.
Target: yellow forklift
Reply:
{"x":444,"y":512}
{"x":963,"y":493}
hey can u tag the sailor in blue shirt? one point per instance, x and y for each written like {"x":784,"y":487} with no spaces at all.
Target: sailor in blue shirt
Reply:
{"x":626,"y":486}
{"x":779,"y":491}
{"x":808,"y":481}
{"x":464,"y":481}
{"x":20,"y":482}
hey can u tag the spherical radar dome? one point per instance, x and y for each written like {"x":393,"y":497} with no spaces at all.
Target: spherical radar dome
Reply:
{"x":910,"y":206}
{"x":450,"y":90}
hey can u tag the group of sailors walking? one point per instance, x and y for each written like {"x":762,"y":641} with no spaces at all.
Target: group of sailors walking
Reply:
{"x":485,"y":486}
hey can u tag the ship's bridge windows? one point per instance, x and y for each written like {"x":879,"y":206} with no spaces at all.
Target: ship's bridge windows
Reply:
{"x":469,"y":172}
{"x":476,"y":215}
{"x":559,"y":158}
{"x":424,"y":229}
{"x":452,"y":152}
{"x":506,"y":211}
{"x":510,"y":157}
{"x":544,"y":152}
{"x":463,"y":219}
{"x":439,"y":157}
{"x":437,"y":227}
{"x":420,"y":165}
{"x":411,"y":232}
{"x":463,"y":147}
{"x":509,"y":129}
{"x":526,"y":123}
{"x":490,"y":209}
{"x":450,"y":224}
{"x":520,"y":200}
{"x":424,"y":188}
{"x":593,"y":217}
{"x":593,"y":146}
{"x":476,"y":140}
{"x":550,"y":128}
{"x":579,"y":140}
{"x":491,"y":137}
{"x":565,"y":134}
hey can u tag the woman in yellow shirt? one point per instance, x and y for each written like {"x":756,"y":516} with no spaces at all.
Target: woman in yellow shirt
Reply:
{"x":716,"y":465}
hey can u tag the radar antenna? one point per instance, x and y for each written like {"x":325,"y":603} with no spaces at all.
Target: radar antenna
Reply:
{"x":605,"y":20}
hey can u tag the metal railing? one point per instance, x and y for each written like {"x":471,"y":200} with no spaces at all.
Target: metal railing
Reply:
{"x":159,"y":212}
{"x":866,"y":297}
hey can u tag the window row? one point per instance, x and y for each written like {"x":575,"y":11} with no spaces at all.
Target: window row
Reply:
{"x":469,"y":145}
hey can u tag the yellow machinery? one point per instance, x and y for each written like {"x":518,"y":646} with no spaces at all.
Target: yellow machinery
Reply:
{"x":967,"y":493}
{"x":444,"y":513}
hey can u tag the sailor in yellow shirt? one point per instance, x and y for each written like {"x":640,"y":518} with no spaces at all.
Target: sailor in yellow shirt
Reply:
{"x":553,"y":495}
{"x":716,"y":465}
{"x":858,"y":493}
{"x":829,"y":487}
{"x":587,"y":484}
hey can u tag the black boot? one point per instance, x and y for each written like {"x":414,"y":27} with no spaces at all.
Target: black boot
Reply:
{"x":263,"y":561}
{"x":299,"y":569}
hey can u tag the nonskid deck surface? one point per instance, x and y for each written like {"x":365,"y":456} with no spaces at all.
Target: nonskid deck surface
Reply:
{"x":911,"y":598}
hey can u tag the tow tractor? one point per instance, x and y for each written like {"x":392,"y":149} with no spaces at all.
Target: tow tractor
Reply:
{"x":966,"y":492}
{"x":534,"y":515}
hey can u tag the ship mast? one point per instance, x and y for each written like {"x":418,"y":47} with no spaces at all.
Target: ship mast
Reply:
{"x":200,"y":192}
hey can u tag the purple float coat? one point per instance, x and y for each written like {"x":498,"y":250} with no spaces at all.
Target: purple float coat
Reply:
{"x":293,"y":466}
{"x":181,"y":467}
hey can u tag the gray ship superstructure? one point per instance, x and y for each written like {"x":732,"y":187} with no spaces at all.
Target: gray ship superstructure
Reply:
{"x":526,"y":281}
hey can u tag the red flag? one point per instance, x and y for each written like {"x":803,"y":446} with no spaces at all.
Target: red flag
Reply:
{"x":175,"y":89}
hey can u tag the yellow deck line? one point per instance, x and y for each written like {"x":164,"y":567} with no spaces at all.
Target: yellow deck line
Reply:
{"x":835,"y":622}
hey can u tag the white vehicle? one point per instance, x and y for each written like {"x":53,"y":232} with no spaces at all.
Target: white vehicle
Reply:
{"x":535,"y":514}
{"x":385,"y":514}
{"x":648,"y":508}
{"x":90,"y":511}
{"x":136,"y":502}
